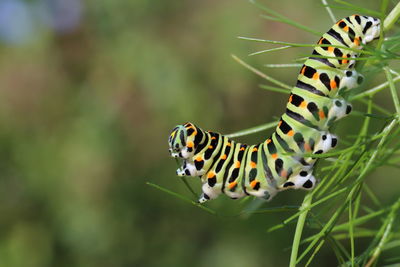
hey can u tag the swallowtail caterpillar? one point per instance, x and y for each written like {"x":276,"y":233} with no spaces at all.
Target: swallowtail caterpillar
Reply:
{"x":285,"y":159}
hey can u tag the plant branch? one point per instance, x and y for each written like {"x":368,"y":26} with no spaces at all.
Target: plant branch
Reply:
{"x":299,"y":229}
{"x":391,"y":18}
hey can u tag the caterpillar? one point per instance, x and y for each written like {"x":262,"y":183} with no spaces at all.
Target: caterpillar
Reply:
{"x":285,"y":159}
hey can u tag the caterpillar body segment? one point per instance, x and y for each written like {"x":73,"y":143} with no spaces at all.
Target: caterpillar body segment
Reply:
{"x":284,"y":160}
{"x":316,"y":112}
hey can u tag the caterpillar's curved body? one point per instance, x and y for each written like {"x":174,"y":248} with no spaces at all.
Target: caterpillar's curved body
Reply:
{"x":285,"y":159}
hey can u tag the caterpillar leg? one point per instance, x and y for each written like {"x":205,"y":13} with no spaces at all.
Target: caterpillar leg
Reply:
{"x":303,"y":180}
{"x":373,"y":31}
{"x":340,"y":108}
{"x":203,"y":198}
{"x":326,"y":143}
{"x":266,"y":194}
{"x":351,"y":79}
{"x":189,"y":169}
{"x":209,"y":192}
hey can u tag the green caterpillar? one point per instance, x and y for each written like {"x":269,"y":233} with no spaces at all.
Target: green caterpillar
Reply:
{"x":285,"y":159}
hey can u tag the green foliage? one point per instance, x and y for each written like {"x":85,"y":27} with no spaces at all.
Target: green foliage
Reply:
{"x":343,"y":211}
{"x":84,"y":121}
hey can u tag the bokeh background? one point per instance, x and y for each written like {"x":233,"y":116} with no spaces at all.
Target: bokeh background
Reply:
{"x":89,"y":91}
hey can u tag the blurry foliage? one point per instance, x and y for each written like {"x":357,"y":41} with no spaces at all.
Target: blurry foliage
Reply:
{"x":84,"y":120}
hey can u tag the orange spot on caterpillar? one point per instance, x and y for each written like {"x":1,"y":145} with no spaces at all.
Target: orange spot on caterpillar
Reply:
{"x":237,"y":164}
{"x":253,"y":164}
{"x":331,"y":48}
{"x":290,"y":98}
{"x":241,"y":149}
{"x":253,"y":183}
{"x":290,"y":133}
{"x":303,"y":69}
{"x":268,"y":141}
{"x":232,"y":185}
{"x":210,"y":175}
{"x":315,"y":76}
{"x":345,"y":61}
{"x":321,"y":114}
{"x":190,"y":144}
{"x":346,"y":29}
{"x":213,"y":138}
{"x":255,"y":149}
{"x":357,"y":41}
{"x":229,"y":144}
{"x":199,"y":158}
{"x":223,"y":157}
{"x":279,"y":123}
{"x":333,"y":84}
{"x":307,"y":147}
{"x":274,"y":156}
{"x":210,"y":147}
{"x":303,"y":104}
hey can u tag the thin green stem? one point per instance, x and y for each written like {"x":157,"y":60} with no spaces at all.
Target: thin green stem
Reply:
{"x":386,"y":228}
{"x":165,"y":190}
{"x":270,"y":50}
{"x":375,"y":89}
{"x":284,"y":19}
{"x":358,"y":8}
{"x":289,"y":65}
{"x":392,"y":90}
{"x":329,"y":10}
{"x":288,"y":44}
{"x":253,"y":130}
{"x":391,"y":18}
{"x":299,"y":229}
{"x":351,"y":232}
{"x":274,"y":89}
{"x":261,"y":74}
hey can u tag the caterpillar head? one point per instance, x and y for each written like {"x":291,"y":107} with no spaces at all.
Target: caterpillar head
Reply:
{"x":371,"y":29}
{"x":177,"y":141}
{"x":182,"y":142}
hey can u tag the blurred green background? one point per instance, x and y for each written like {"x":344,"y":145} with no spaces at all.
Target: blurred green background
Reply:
{"x":89,"y":91}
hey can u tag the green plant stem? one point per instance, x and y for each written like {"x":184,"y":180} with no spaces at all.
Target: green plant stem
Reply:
{"x":284,"y":19}
{"x":261,"y":74}
{"x":181,"y":197}
{"x":274,"y":89}
{"x":299,"y":229}
{"x":270,"y":50}
{"x":391,"y":18}
{"x":386,"y":228}
{"x":367,"y":166}
{"x":351,"y":231}
{"x":392,"y":90}
{"x":374,"y":90}
{"x":288,"y":44}
{"x":329,"y":10}
{"x":253,"y":130}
